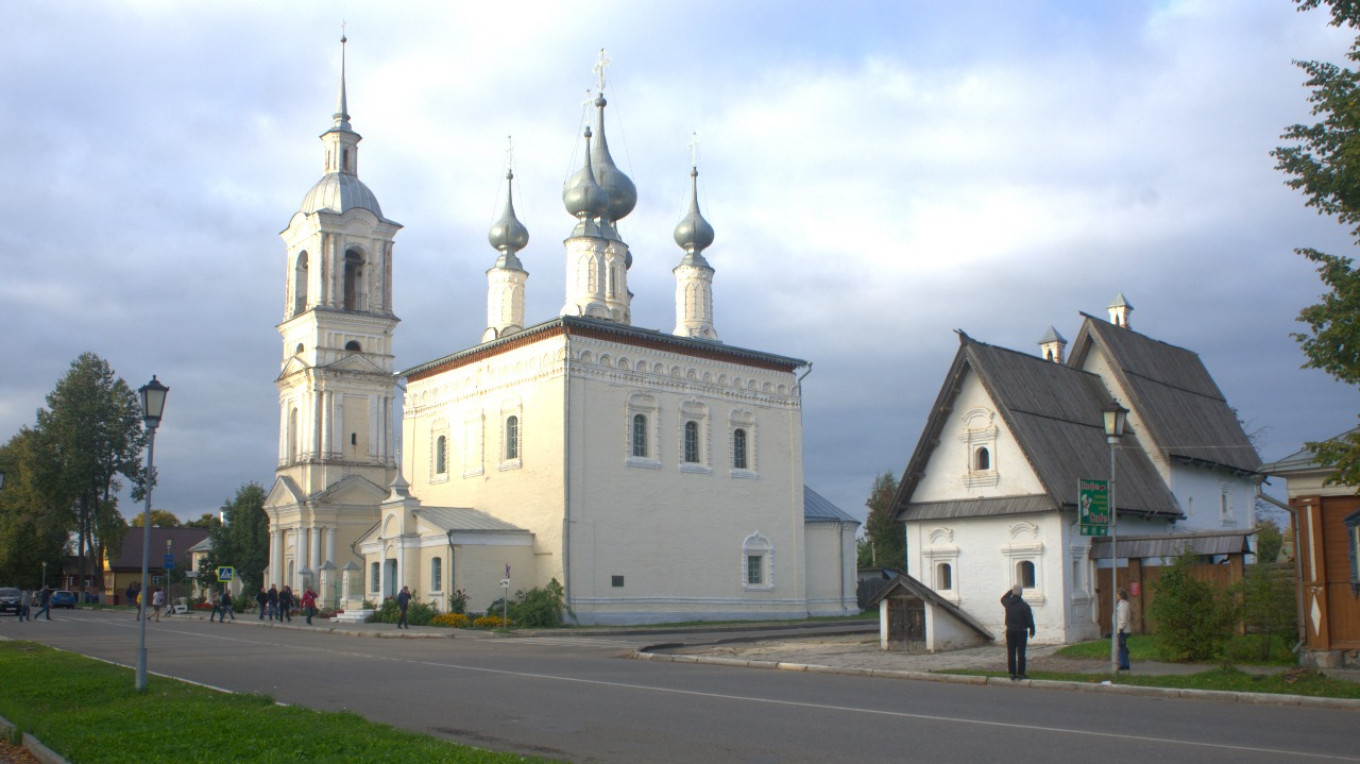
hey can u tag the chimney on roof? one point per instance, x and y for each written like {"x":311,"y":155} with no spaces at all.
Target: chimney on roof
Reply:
{"x":1051,"y":345}
{"x":1120,"y":310}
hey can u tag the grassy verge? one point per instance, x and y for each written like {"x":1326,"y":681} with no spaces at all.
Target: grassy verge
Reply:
{"x":1243,"y":649}
{"x":1226,"y":678}
{"x":89,"y":712}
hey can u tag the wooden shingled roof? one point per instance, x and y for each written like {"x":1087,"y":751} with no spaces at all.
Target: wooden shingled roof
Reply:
{"x":1054,"y":413}
{"x":1185,"y":417}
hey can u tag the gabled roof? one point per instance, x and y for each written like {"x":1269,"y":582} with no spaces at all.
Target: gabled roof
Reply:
{"x":465,"y":520}
{"x":130,"y":555}
{"x":1054,"y":413}
{"x":1184,"y":415}
{"x":904,"y":582}
{"x":817,"y":509}
{"x":1303,"y":460}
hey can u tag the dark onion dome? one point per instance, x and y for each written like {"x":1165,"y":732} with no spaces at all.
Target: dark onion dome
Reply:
{"x":584,"y":198}
{"x":508,"y":235}
{"x":693,"y":233}
{"x":622,"y":193}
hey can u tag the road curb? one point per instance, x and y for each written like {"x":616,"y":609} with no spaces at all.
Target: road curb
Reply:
{"x":33,"y":745}
{"x":1255,"y":698}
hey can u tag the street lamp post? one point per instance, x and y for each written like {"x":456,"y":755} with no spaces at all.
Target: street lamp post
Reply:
{"x":1116,"y":417}
{"x":153,"y":405}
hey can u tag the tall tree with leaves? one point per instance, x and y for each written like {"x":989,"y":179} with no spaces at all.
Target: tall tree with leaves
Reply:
{"x":1321,"y":162}
{"x":887,"y":537}
{"x":31,"y":534}
{"x":89,"y":436}
{"x":242,"y":539}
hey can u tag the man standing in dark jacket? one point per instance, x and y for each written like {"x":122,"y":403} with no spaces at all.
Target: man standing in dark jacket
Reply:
{"x":403,"y":602}
{"x":1019,"y":628}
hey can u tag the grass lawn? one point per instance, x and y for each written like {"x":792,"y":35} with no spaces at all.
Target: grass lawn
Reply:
{"x":88,"y":711}
{"x":1243,"y":650}
{"x":1299,"y":681}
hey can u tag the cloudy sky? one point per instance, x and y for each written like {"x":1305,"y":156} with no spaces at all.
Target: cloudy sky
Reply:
{"x":878,"y":174}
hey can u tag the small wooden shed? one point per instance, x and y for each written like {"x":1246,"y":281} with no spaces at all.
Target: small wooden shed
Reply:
{"x":913,"y":618}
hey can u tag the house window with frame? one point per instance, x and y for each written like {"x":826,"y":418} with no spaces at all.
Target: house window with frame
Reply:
{"x":982,"y":459}
{"x":642,"y":440}
{"x":1024,"y":573}
{"x":944,"y":577}
{"x":441,"y":455}
{"x":979,"y":439}
{"x":437,"y":574}
{"x":757,"y":570}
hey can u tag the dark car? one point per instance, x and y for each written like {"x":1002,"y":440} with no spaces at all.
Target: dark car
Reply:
{"x":9,"y":600}
{"x":64,"y":599}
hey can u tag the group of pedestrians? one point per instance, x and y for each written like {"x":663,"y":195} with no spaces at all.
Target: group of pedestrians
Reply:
{"x":42,"y":596}
{"x":1020,"y":627}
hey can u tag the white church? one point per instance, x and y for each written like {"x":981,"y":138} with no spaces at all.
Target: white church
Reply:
{"x":658,"y":476}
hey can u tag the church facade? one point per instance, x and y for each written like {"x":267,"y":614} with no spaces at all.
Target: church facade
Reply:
{"x":657,"y":476}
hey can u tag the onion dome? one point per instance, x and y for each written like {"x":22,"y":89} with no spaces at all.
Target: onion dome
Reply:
{"x":508,"y":235}
{"x":583,"y":197}
{"x":693,"y":233}
{"x":622,"y":193}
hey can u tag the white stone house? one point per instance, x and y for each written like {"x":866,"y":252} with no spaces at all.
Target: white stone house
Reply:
{"x":657,"y":476}
{"x":989,"y":497}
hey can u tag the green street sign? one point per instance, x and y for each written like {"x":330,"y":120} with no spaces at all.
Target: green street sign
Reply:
{"x":1093,"y":507}
{"x":226,"y":573}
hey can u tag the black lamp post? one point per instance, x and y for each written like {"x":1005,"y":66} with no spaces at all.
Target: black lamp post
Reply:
{"x":1116,"y":417}
{"x":153,"y":405}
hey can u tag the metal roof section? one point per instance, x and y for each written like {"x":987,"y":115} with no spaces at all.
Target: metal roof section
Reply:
{"x":464,"y":520}
{"x":1303,"y":460}
{"x":817,"y":509}
{"x":614,"y":331}
{"x":340,"y":192}
{"x":1173,"y":545}
{"x":1183,"y":413}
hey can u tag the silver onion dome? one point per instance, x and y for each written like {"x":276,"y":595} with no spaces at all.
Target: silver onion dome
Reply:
{"x":622,"y":193}
{"x":507,"y":234}
{"x":693,"y":233}
{"x":583,"y":197}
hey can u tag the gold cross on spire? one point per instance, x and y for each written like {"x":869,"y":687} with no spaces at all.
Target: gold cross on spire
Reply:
{"x":600,"y":66}
{"x":509,"y":152}
{"x":694,"y":150}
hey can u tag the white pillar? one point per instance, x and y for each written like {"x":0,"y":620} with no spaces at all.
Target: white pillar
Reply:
{"x":330,"y":546}
{"x":275,"y":556}
{"x":314,"y":553}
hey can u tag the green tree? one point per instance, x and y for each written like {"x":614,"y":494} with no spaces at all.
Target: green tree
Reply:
{"x":1269,"y":603}
{"x":1194,"y":620}
{"x":242,"y":539}
{"x":159,"y":519}
{"x":207,"y":522}
{"x":30,"y":532}
{"x":1269,"y":541}
{"x":1321,"y":162}
{"x":887,"y":538}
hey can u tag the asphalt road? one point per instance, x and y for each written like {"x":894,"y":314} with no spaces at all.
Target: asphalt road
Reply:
{"x":579,"y":698}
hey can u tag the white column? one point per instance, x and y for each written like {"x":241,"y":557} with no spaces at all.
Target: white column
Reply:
{"x":275,"y":556}
{"x":314,"y":554}
{"x":330,"y":546}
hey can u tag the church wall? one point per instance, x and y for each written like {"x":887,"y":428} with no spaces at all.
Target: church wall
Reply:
{"x":973,"y":424}
{"x":1213,"y":500}
{"x":469,"y":406}
{"x":676,"y":534}
{"x":831,"y":573}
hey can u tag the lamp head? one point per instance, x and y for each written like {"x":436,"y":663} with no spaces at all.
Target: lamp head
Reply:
{"x":1116,"y":417}
{"x":153,"y":402}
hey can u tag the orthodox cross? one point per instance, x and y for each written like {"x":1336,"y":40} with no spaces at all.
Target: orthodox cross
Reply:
{"x":600,"y":66}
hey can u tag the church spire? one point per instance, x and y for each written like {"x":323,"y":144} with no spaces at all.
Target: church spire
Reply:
{"x":505,"y":280}
{"x":694,"y":276}
{"x":341,"y":115}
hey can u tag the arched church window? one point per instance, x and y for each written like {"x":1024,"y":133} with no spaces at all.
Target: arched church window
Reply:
{"x":944,"y":577}
{"x":441,"y":455}
{"x":298,"y":349}
{"x":739,"y":449}
{"x":300,"y":284}
{"x":354,"y":265}
{"x":640,"y":435}
{"x":692,"y":442}
{"x":512,"y":438}
{"x":352,"y":346}
{"x":1024,"y":573}
{"x":437,"y":574}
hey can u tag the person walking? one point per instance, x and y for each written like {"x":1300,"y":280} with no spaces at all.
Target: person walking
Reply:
{"x":46,"y":609}
{"x":1019,"y":627}
{"x":1121,"y":618}
{"x":262,"y":600}
{"x":286,"y":603}
{"x":158,"y":602}
{"x":403,"y":602}
{"x":216,"y":602}
{"x":272,"y":598}
{"x":25,"y":604}
{"x":226,"y":606}
{"x":132,"y":593}
{"x":309,"y":603}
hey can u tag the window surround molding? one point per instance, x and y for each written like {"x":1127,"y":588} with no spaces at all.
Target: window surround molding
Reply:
{"x":511,"y":408}
{"x":942,"y":549}
{"x":979,"y":431}
{"x":439,"y":430}
{"x":473,"y":443}
{"x":1025,"y":546}
{"x":692,"y":411}
{"x":756,"y":545}
{"x":744,"y":420}
{"x":647,"y":406}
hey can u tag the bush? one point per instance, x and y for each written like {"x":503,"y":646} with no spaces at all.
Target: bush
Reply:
{"x":491,"y":622}
{"x":458,"y":601}
{"x":1269,"y":605}
{"x":538,"y":608}
{"x":1194,"y":619}
{"x":450,"y":620}
{"x":417,"y":613}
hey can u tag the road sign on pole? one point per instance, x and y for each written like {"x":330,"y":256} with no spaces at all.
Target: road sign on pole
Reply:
{"x":226,"y":573}
{"x":169,"y":562}
{"x":1093,"y":507}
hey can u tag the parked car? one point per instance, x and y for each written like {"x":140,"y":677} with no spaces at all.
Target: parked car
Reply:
{"x":9,"y":599}
{"x":64,"y":599}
